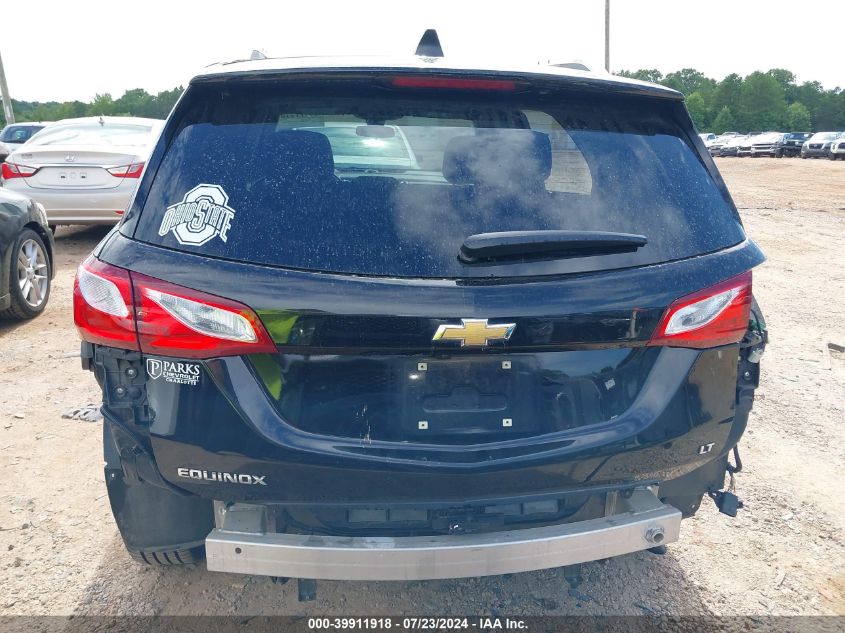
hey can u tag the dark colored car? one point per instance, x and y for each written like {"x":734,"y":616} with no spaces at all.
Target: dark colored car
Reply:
{"x":533,"y":346}
{"x":791,"y":144}
{"x":26,"y":257}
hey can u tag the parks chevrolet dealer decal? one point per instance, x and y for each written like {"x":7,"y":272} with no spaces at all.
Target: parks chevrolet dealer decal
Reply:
{"x":177,"y":372}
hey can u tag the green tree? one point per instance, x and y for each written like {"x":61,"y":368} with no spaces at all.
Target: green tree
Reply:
{"x":697,"y":110}
{"x":101,"y":105}
{"x":686,"y":80}
{"x":727,"y":93}
{"x":798,"y":117}
{"x":645,"y":74}
{"x":137,"y":102}
{"x":762,"y":104}
{"x":830,"y":112}
{"x":164,"y":101}
{"x":724,"y":121}
{"x":785,"y":78}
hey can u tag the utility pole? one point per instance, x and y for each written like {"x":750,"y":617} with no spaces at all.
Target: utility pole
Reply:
{"x":7,"y":100}
{"x":607,"y":35}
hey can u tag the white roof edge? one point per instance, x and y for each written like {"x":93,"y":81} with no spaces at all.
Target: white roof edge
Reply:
{"x":412,"y":62}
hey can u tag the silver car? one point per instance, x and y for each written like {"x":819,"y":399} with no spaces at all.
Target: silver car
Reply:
{"x":83,"y":171}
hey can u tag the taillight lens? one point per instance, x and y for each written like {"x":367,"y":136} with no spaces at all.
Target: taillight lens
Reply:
{"x":13,"y":170}
{"x":127,"y":171}
{"x":102,"y":305}
{"x":177,"y":321}
{"x":715,"y":316}
{"x":132,"y":311}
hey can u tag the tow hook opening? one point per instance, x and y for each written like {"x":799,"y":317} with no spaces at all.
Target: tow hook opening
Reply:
{"x":655,"y":535}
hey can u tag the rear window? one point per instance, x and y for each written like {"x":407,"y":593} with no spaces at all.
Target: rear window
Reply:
{"x":18,"y":133}
{"x":823,"y":136}
{"x":390,"y":182}
{"x":108,"y":134}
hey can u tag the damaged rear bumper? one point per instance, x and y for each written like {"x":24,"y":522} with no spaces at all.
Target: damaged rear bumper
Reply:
{"x":240,"y":544}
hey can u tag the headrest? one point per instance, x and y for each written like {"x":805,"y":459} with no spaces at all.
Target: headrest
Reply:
{"x":498,"y":156}
{"x":297,"y":154}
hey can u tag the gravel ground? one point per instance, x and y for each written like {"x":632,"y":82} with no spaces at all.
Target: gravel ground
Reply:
{"x":783,"y":554}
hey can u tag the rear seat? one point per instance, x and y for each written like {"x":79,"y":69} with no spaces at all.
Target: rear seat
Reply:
{"x":488,"y":174}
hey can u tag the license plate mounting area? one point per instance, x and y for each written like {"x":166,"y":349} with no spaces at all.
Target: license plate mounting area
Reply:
{"x":469,"y":397}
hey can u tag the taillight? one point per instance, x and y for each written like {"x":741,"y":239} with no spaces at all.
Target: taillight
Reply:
{"x":102,"y":305}
{"x":127,"y":171}
{"x":13,"y":170}
{"x":453,"y":83}
{"x":132,"y":311}
{"x":177,"y":321}
{"x":714,"y":316}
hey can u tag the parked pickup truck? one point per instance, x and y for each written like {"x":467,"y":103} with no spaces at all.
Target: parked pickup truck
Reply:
{"x":532,"y":346}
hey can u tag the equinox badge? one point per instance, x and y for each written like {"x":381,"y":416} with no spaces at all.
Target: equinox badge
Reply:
{"x":475,"y":332}
{"x":223,"y":478}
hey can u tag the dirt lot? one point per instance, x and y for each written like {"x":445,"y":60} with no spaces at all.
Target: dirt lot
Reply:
{"x":783,"y":554}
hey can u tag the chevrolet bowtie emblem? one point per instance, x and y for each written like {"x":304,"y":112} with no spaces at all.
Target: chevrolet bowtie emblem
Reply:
{"x":475,"y":332}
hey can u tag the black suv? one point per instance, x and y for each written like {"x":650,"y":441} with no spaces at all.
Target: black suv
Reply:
{"x":791,"y":144}
{"x":498,"y":319}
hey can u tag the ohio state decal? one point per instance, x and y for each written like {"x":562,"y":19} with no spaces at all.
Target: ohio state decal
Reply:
{"x":203,"y":214}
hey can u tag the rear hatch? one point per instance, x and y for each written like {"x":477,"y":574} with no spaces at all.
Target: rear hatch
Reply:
{"x":473,"y":304}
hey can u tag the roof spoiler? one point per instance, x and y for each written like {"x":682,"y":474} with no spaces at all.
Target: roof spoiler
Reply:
{"x":429,"y":45}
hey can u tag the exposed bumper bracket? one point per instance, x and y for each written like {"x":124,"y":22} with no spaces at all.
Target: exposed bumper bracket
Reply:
{"x":240,"y":545}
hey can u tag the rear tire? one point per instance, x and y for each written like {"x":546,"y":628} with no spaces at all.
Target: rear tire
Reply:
{"x":168,"y":558}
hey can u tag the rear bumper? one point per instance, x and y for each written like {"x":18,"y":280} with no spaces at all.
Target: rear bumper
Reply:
{"x":239,"y":545}
{"x":75,"y":206}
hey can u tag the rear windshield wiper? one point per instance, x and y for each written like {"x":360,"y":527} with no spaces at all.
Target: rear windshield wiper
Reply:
{"x":522,"y":245}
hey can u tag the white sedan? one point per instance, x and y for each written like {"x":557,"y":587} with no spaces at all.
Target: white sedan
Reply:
{"x":83,"y":171}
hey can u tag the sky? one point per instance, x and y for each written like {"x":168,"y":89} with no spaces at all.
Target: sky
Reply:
{"x":74,"y":50}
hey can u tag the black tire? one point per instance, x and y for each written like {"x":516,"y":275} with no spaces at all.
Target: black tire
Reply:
{"x":831,"y":156}
{"x":20,"y":307}
{"x":168,"y":558}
